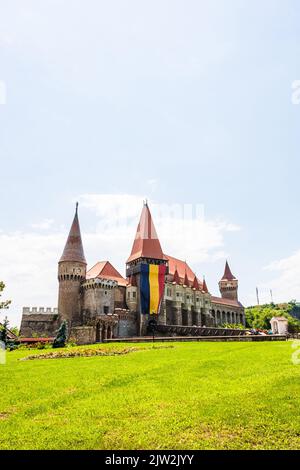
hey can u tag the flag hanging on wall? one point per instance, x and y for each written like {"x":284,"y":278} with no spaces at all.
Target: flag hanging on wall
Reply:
{"x":152,"y":284}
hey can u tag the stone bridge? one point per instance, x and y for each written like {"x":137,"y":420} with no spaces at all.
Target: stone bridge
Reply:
{"x":176,"y":330}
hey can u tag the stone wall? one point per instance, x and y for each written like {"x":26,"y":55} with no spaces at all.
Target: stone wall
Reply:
{"x":40,"y":324}
{"x":42,"y":310}
{"x":83,"y":334}
{"x":70,"y":275}
{"x":97,"y":300}
{"x":127,"y":324}
{"x":227,"y":314}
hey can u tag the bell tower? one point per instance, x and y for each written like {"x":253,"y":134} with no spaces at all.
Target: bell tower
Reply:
{"x":71,"y":274}
{"x":228,"y":285}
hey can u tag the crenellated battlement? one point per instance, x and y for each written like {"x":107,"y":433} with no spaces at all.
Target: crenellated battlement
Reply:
{"x":40,"y":310}
{"x":99,"y":283}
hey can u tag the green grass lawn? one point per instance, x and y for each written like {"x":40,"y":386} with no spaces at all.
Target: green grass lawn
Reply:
{"x":192,"y":396}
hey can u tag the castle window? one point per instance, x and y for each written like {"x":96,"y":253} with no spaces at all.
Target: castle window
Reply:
{"x":128,"y":295}
{"x":106,"y":310}
{"x":105,"y":292}
{"x":197,"y":299}
{"x":134,"y":295}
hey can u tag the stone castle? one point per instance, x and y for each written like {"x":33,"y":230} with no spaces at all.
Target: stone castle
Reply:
{"x":100,"y":304}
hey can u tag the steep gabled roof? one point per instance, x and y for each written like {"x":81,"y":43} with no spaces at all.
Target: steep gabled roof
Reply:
{"x":279,"y":319}
{"x":228,"y":276}
{"x":146,"y":243}
{"x":73,"y":250}
{"x":182,"y":268}
{"x":105,"y":270}
{"x":176,"y":277}
{"x":186,"y":281}
{"x":196,"y":284}
{"x":225,"y":302}
{"x":10,"y":334}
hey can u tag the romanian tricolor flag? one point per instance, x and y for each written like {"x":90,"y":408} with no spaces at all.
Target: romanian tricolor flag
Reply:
{"x":152,"y":284}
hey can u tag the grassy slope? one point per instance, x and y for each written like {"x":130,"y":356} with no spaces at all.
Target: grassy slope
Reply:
{"x":195,"y":396}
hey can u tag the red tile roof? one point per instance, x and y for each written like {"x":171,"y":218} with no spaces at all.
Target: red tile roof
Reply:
{"x":227,"y":276}
{"x":176,"y":277}
{"x":186,"y":281}
{"x":36,"y":340}
{"x":105,"y":270}
{"x":10,"y":334}
{"x":204,"y":287}
{"x":182,"y":269}
{"x":279,"y":318}
{"x":73,"y":250}
{"x":196,"y":284}
{"x":226,"y":302}
{"x":146,"y":243}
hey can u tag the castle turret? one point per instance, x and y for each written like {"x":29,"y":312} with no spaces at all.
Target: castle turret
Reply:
{"x":228,"y":285}
{"x":71,"y":274}
{"x":204,"y":286}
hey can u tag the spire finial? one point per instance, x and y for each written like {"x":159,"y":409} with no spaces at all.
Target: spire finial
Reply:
{"x":77,"y":204}
{"x":227,"y":273}
{"x":204,"y":286}
{"x":73,"y":250}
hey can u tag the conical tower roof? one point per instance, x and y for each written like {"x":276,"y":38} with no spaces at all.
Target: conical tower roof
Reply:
{"x":186,"y":280}
{"x":73,"y":250}
{"x":204,"y":286}
{"x":196,"y":283}
{"x":146,"y":243}
{"x":228,"y":276}
{"x":176,"y":277}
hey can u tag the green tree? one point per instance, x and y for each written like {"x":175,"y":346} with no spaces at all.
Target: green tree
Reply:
{"x":260,"y":315}
{"x":61,"y":336}
{"x":6,"y":303}
{"x":4,"y":331}
{"x":15,"y":330}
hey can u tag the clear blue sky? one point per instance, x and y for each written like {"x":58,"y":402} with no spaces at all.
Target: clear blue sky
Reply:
{"x":181,"y":102}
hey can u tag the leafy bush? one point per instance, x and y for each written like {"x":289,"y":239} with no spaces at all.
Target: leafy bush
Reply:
{"x":233,"y":326}
{"x":260,"y":315}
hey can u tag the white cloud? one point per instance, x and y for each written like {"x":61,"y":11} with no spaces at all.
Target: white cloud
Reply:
{"x":28,"y":268}
{"x":29,"y":258}
{"x":286,"y":281}
{"x":43,"y":225}
{"x":182,"y":229}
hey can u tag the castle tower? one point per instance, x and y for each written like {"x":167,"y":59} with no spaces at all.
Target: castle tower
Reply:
{"x":146,"y":249}
{"x":228,"y":285}
{"x":71,"y":273}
